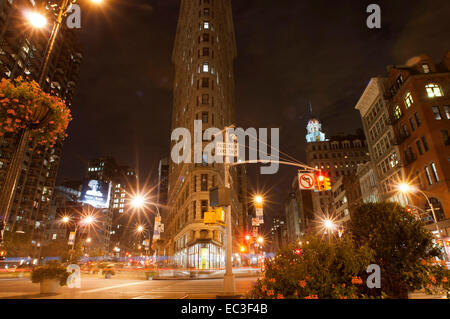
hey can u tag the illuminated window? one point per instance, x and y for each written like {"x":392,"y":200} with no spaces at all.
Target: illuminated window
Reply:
{"x":408,"y":100}
{"x":426,"y":68}
{"x":437,"y":113}
{"x":433,"y":90}
{"x":435,"y":174}
{"x":206,"y":25}
{"x":206,"y":67}
{"x":447,"y":112}
{"x":397,"y":112}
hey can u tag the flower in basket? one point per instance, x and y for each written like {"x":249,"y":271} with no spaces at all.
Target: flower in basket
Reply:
{"x":23,"y":104}
{"x":49,"y":272}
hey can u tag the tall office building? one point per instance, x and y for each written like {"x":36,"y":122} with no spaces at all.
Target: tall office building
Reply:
{"x":204,"y":53}
{"x":337,"y":156}
{"x":163,"y":182}
{"x":120,"y":183}
{"x":22,"y":50}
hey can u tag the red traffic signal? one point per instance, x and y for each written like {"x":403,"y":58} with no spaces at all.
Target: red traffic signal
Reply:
{"x":298,"y":252}
{"x":321,"y":182}
{"x":2,"y":254}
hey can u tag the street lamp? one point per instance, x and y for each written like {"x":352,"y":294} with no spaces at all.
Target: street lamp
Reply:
{"x":36,"y":19}
{"x":406,"y":188}
{"x":86,"y":221}
{"x":260,"y":240}
{"x":258,"y":199}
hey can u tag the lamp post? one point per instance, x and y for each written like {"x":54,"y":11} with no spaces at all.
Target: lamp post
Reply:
{"x":406,"y":188}
{"x":139,"y":202}
{"x":88,"y":220}
{"x":41,"y":116}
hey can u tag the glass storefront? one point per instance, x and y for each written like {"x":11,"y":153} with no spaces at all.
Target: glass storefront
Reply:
{"x":204,"y":256}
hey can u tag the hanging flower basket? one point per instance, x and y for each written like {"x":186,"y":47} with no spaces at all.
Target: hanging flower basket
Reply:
{"x":23,"y":104}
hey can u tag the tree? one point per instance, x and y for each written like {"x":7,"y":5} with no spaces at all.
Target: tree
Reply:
{"x":317,"y":269}
{"x":18,"y":245}
{"x":403,"y":248}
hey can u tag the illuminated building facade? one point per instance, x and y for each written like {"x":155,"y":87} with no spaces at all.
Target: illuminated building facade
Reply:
{"x":204,"y":53}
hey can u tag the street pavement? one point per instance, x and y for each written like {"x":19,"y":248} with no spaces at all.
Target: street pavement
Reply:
{"x":100,"y":288}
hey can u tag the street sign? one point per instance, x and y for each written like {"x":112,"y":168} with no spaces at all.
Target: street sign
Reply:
{"x":161,"y":228}
{"x":71,"y":238}
{"x":255,"y":221}
{"x":306,"y":181}
{"x":259,"y":212}
{"x":227,"y":149}
{"x":261,"y":219}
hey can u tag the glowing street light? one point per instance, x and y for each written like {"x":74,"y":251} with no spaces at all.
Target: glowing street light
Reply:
{"x":97,"y":1}
{"x":88,"y":240}
{"x":328,"y":223}
{"x":260,"y":240}
{"x":88,"y":220}
{"x":65,"y":219}
{"x":259,"y":199}
{"x":138,"y":201}
{"x":37,"y":20}
{"x":140,"y":229}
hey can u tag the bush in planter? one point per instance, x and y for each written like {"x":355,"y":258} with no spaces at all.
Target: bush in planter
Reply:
{"x":53,"y":271}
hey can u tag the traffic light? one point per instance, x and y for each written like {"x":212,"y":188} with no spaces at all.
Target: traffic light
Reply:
{"x":322,"y":182}
{"x":327,"y":184}
{"x":2,"y":254}
{"x":319,"y":184}
{"x":243,"y":249}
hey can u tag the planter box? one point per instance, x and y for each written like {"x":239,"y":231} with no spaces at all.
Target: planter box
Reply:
{"x":49,"y":286}
{"x":150,"y":275}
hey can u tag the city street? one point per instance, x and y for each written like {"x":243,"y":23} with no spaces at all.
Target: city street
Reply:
{"x":100,"y":288}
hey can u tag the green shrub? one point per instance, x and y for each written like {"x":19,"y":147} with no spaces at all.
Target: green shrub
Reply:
{"x":50,"y":271}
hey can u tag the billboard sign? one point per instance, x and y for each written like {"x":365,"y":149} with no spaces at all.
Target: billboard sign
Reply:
{"x":96,"y":193}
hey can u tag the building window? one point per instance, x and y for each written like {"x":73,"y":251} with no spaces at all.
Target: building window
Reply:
{"x":205,"y":99}
{"x":205,"y":51}
{"x":427,"y":173}
{"x":445,"y":137}
{"x":405,"y":130}
{"x":413,"y":126}
{"x":426,"y":68}
{"x":205,"y":25}
{"x":447,"y":112}
{"x":433,"y":90}
{"x":437,"y":113}
{"x":205,"y":82}
{"x":204,"y":183}
{"x":416,"y":115}
{"x":408,"y":100}
{"x":204,"y":208}
{"x":435,"y":174}
{"x":205,"y":117}
{"x":205,"y":67}
{"x":419,"y":147}
{"x":397,"y":112}
{"x":425,"y":144}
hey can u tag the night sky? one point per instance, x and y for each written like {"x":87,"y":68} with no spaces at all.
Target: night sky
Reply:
{"x":290,"y":52}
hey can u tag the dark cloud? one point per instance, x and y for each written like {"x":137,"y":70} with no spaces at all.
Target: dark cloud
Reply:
{"x":290,"y":52}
